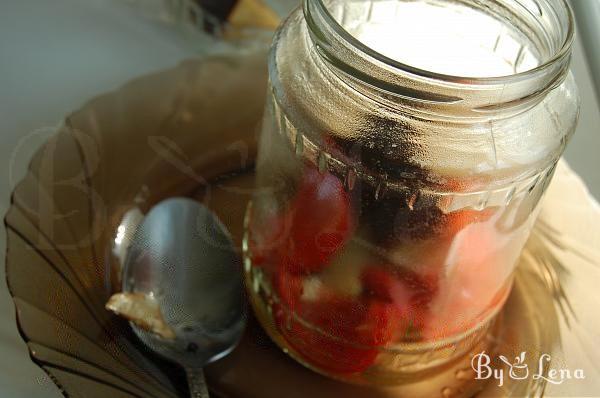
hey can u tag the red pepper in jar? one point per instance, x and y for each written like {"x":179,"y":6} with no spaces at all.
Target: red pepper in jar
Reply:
{"x":409,"y":292}
{"x":335,"y":332}
{"x":321,"y":221}
{"x":305,"y":236}
{"x":473,"y":281}
{"x":454,"y":222}
{"x":267,"y":243}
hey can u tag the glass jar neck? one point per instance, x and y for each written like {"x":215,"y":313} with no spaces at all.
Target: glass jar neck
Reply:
{"x":547,"y":24}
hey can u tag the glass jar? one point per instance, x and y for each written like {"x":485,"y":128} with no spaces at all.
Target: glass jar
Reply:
{"x":404,"y":151}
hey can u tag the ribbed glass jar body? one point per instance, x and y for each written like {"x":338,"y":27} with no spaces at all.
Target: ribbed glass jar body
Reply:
{"x":397,"y":188}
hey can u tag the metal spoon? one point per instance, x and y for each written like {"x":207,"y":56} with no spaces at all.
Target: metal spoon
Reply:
{"x":184,"y":258}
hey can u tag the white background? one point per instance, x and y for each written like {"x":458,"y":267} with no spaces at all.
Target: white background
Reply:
{"x":55,"y":55}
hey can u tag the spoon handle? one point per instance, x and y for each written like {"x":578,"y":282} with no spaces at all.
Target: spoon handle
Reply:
{"x":196,"y":382}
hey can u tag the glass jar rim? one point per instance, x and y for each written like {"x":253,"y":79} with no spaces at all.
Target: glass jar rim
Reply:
{"x":439,"y":95}
{"x":564,"y":51}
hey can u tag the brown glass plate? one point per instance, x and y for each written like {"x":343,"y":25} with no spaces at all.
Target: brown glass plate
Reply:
{"x":192,"y":131}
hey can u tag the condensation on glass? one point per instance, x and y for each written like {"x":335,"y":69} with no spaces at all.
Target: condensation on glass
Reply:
{"x":404,"y":151}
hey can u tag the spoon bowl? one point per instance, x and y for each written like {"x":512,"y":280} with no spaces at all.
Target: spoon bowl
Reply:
{"x":183,"y":257}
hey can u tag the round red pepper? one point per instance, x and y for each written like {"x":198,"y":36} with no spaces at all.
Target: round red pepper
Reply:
{"x":409,"y":292}
{"x":333,"y":332}
{"x":320,"y":222}
{"x":473,"y":282}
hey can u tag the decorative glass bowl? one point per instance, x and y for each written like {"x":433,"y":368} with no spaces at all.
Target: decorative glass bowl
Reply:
{"x":185,"y":132}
